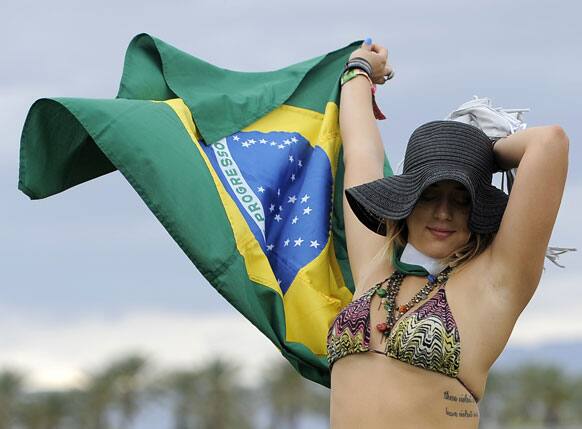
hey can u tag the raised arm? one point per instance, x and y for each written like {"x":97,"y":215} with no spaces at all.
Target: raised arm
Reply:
{"x":517,"y":253}
{"x":363,"y":155}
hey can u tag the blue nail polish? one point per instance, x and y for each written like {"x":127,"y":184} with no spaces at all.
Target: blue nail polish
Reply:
{"x":368,"y":41}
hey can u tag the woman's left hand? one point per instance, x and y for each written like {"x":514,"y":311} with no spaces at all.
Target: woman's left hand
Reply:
{"x":377,"y":56}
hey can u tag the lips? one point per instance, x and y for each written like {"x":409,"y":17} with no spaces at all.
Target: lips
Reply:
{"x":440,"y":233}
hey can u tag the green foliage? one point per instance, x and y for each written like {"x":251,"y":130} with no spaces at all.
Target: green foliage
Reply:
{"x":213,"y":396}
{"x":11,"y":385}
{"x":534,"y":395}
{"x":290,"y":396}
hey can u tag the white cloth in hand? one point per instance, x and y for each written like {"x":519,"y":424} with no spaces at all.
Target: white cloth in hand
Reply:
{"x":496,"y":122}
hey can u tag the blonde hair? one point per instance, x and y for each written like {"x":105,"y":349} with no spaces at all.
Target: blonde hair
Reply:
{"x":397,"y":235}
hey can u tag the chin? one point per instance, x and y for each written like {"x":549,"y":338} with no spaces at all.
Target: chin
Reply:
{"x":437,"y":250}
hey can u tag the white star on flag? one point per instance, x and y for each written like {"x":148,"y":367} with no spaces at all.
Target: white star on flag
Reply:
{"x":271,"y":191}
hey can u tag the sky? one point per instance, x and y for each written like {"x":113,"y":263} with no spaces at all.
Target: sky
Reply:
{"x":89,"y":274}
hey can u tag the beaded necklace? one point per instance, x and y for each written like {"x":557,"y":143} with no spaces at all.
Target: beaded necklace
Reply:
{"x":389,"y":294}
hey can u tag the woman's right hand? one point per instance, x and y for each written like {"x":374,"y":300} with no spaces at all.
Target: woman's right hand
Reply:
{"x":377,"y":56}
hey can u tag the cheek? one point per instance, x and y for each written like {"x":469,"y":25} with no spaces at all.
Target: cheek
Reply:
{"x":466,"y":232}
{"x":419,"y":213}
{"x":415,"y":220}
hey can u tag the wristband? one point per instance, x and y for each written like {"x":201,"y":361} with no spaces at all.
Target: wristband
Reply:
{"x":361,"y":59}
{"x":360,"y":63}
{"x":352,"y":73}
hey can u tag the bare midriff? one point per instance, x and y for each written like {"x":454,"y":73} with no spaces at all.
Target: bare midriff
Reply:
{"x":377,"y":391}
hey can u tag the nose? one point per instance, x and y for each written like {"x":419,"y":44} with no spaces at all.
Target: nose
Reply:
{"x":443,"y":209}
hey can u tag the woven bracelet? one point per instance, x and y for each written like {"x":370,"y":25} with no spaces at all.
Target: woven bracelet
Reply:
{"x":352,"y":73}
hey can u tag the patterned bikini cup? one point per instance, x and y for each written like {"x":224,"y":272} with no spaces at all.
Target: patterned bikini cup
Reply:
{"x":428,"y":338}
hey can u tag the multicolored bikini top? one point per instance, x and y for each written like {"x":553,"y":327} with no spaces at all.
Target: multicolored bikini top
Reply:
{"x":427,"y":338}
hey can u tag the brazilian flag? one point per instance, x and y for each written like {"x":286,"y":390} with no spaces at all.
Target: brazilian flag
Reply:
{"x":244,"y":170}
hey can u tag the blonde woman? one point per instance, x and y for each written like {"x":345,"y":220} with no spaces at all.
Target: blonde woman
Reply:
{"x":414,"y":347}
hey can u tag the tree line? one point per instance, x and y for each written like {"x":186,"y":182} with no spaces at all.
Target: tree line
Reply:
{"x":212,"y":396}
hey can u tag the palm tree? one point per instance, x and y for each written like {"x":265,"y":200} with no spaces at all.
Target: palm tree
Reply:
{"x":47,"y":410}
{"x":11,"y":386}
{"x":115,"y":387}
{"x":97,"y":399}
{"x":536,"y":394}
{"x":555,"y":392}
{"x":209,"y":396}
{"x":497,"y":385}
{"x":290,"y":396}
{"x":224,"y":403}
{"x":576,"y":400}
{"x":127,"y":375}
{"x":183,"y":387}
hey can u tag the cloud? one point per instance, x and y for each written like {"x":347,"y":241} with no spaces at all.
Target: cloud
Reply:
{"x":547,"y":317}
{"x":65,"y":265}
{"x":60,"y":356}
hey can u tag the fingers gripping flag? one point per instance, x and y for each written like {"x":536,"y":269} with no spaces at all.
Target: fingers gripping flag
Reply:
{"x":244,"y":171}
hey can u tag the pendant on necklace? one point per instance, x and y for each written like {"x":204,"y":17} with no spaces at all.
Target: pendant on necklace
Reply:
{"x":403,"y":309}
{"x":382,"y":327}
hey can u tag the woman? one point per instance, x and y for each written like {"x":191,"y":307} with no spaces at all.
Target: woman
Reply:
{"x":395,"y":352}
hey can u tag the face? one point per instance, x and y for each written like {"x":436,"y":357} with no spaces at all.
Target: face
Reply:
{"x":445,"y":206}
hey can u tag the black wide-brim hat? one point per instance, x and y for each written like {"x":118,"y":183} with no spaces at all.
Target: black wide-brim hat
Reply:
{"x":436,"y":150}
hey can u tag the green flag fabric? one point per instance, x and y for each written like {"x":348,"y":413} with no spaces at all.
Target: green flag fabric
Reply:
{"x":244,"y":170}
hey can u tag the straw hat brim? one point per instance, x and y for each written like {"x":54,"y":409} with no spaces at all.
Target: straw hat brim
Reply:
{"x":394,"y":197}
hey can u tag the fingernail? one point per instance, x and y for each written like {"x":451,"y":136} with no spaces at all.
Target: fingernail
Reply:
{"x":368,"y":41}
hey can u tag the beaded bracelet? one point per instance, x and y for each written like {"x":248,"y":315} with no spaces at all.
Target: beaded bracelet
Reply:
{"x":352,"y":73}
